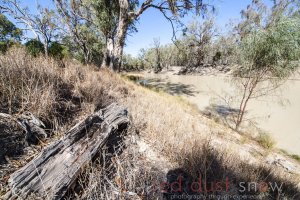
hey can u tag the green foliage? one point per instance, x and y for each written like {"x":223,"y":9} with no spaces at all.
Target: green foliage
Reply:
{"x":8,"y":31}
{"x":58,"y":50}
{"x":34,"y":47}
{"x":198,"y":36}
{"x":92,"y":43}
{"x":9,"y":34}
{"x":296,"y":157}
{"x":217,"y":56}
{"x":272,"y":52}
{"x":107,"y":16}
{"x":96,"y":54}
{"x":4,"y":46}
{"x":130,"y":63}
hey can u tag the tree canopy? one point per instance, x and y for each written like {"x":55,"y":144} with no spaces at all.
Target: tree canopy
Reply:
{"x":8,"y":31}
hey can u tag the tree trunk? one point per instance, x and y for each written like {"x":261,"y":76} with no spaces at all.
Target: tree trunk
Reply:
{"x":56,"y":168}
{"x":108,"y":53}
{"x":244,"y":102}
{"x":46,"y":49}
{"x":121,"y":34}
{"x":113,"y":54}
{"x":86,"y":55}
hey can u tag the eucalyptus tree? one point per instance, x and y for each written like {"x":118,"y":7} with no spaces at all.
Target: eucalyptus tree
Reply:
{"x":268,"y":57}
{"x":81,"y":32}
{"x":43,"y":23}
{"x":199,"y":36}
{"x":157,"y":51}
{"x":130,"y":11}
{"x":106,"y":15}
{"x":169,"y":55}
{"x":258,"y":15}
{"x":268,"y":49}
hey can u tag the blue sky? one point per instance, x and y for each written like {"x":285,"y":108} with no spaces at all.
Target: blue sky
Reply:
{"x":152,"y":23}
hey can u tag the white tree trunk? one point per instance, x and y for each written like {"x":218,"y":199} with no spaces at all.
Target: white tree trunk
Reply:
{"x":121,"y":34}
{"x":46,"y":49}
{"x":108,"y":53}
{"x":114,"y":50}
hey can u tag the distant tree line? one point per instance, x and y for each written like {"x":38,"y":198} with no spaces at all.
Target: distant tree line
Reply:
{"x":95,"y":31}
{"x":10,"y":36}
{"x":201,"y":44}
{"x":92,"y":31}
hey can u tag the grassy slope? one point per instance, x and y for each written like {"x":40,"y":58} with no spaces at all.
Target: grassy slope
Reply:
{"x":172,"y":128}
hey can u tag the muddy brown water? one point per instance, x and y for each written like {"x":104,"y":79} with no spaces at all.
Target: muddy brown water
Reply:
{"x":278,"y":113}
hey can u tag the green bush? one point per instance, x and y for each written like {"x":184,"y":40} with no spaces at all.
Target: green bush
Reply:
{"x":4,"y":47}
{"x":34,"y":47}
{"x":58,"y":50}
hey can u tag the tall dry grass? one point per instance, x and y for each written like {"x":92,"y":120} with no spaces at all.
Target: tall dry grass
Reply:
{"x":57,"y":95}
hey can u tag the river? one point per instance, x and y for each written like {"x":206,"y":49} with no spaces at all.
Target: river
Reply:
{"x":279,"y":114}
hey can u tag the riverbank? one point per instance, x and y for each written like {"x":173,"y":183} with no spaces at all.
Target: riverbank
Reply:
{"x":167,"y":138}
{"x":276,"y":114}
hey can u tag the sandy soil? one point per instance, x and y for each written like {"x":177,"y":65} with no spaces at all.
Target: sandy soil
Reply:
{"x":277,"y":114}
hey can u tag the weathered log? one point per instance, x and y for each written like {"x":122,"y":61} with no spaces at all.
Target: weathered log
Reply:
{"x":51,"y":173}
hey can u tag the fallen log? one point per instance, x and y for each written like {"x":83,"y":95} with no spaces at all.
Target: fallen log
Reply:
{"x":53,"y":171}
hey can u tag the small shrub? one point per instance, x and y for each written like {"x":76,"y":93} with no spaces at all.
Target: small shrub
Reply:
{"x":266,"y":140}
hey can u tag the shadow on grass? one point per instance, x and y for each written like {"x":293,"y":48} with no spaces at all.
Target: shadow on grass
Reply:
{"x":165,"y":86}
{"x":222,"y":113}
{"x":205,"y":173}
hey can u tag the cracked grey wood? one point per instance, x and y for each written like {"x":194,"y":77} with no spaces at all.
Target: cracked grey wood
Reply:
{"x":51,"y":173}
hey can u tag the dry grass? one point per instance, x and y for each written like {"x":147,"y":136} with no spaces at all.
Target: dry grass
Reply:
{"x":214,"y":166}
{"x":123,"y":174}
{"x":56,"y":95}
{"x":266,"y":140}
{"x":62,"y":96}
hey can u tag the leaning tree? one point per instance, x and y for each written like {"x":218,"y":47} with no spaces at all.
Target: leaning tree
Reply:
{"x":268,"y":58}
{"x":268,"y":49}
